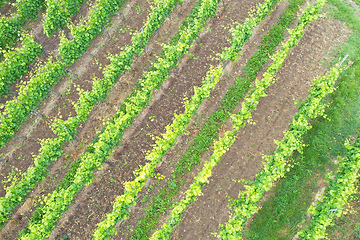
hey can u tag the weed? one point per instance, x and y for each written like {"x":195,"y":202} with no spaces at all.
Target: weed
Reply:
{"x":144,"y":199}
{"x":151,"y":187}
{"x":138,"y":9}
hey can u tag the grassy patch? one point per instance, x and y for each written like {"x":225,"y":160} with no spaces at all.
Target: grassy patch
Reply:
{"x":357,"y":2}
{"x":209,"y":132}
{"x":287,"y":206}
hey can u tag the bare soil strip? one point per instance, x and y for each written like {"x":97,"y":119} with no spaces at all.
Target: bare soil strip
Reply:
{"x":6,"y":9}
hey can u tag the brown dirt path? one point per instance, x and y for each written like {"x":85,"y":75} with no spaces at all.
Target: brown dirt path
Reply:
{"x":5,"y":10}
{"x":273,"y":113}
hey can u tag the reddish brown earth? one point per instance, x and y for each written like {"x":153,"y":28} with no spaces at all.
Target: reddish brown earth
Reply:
{"x":242,"y":161}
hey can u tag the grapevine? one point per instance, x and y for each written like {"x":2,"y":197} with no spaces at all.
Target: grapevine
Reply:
{"x":122,"y":203}
{"x":58,"y":13}
{"x":70,"y":50}
{"x":59,"y":200}
{"x":275,"y":165}
{"x":10,"y":28}
{"x":239,"y":120}
{"x":242,"y":32}
{"x":337,"y":194}
{"x":51,"y":149}
{"x":16,"y":63}
{"x":10,"y":123}
{"x":2,"y":2}
{"x":16,"y":111}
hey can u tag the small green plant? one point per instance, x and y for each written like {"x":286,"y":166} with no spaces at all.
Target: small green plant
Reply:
{"x":34,"y":122}
{"x":13,"y":176}
{"x":144,"y":199}
{"x":151,"y":187}
{"x":138,"y":9}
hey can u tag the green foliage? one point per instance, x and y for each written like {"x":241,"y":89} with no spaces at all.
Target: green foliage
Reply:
{"x":337,"y":194}
{"x":51,"y":149}
{"x":11,"y":124}
{"x":58,"y":13}
{"x":10,"y":28}
{"x":17,"y":111}
{"x":59,"y":200}
{"x":281,"y":214}
{"x":275,"y":165}
{"x":83,"y":34}
{"x":242,"y":32}
{"x":232,"y":229}
{"x":16,"y":63}
{"x":122,"y":203}
{"x":208,"y":132}
{"x":286,"y":208}
{"x":2,"y":2}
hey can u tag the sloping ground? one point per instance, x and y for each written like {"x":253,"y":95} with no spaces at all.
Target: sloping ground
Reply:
{"x":242,"y":161}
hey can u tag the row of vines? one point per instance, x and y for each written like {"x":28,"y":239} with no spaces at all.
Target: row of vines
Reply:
{"x":15,"y":62}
